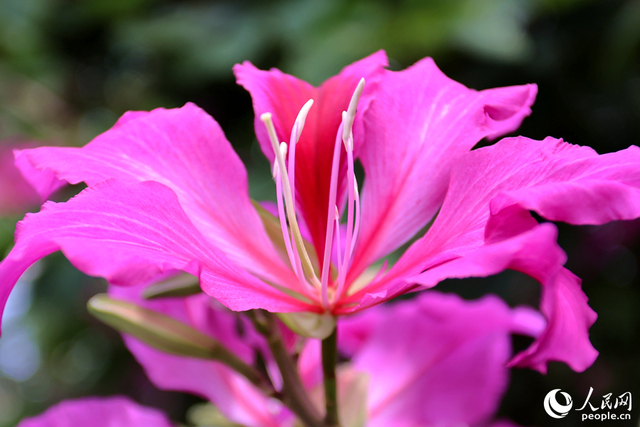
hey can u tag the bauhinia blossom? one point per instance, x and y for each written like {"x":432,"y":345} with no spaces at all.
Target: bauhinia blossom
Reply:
{"x":166,"y":192}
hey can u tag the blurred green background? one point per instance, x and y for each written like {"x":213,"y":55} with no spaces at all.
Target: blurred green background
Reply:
{"x":69,"y":69}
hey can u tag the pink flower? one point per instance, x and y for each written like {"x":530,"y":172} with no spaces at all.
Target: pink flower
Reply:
{"x":167,"y":192}
{"x":99,"y":412}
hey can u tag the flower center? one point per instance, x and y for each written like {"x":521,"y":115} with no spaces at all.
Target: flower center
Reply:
{"x":284,"y":177}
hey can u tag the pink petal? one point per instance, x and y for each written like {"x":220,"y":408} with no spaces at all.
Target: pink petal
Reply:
{"x":310,"y":364}
{"x":453,"y":375}
{"x":131,"y":234}
{"x":566,"y":338}
{"x":234,"y":396}
{"x":356,"y":331}
{"x":484,"y":226}
{"x":99,"y":412}
{"x":283,"y":95}
{"x":564,"y":182}
{"x":417,"y":126}
{"x":185,"y":150}
{"x":493,"y":188}
{"x":534,"y":252}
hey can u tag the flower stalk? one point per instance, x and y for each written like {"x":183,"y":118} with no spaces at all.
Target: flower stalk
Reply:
{"x":329,"y":360}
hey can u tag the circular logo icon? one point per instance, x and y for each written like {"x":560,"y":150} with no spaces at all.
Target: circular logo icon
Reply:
{"x":554,"y":408}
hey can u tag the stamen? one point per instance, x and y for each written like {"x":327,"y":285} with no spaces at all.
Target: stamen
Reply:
{"x":295,"y":262}
{"x":345,"y":133}
{"x":356,"y":227}
{"x":287,"y":237}
{"x":295,"y":137}
{"x":338,"y":245}
{"x":353,"y":202}
{"x":349,"y":242}
{"x":333,"y":189}
{"x":351,"y":111}
{"x":298,"y":125}
{"x":284,"y":175}
{"x":280,"y":152}
{"x":301,"y":119}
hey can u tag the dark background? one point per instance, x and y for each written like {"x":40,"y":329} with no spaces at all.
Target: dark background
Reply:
{"x":69,"y":69}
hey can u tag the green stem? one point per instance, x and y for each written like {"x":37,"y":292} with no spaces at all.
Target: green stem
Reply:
{"x":329,"y":360}
{"x":294,"y":394}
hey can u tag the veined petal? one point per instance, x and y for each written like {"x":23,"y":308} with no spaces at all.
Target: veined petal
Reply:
{"x":131,"y":234}
{"x":233,"y":395}
{"x":576,"y":185}
{"x":415,"y":129}
{"x":534,"y":252}
{"x":283,"y":95}
{"x":186,"y":150}
{"x":492,"y":189}
{"x":454,"y":374}
{"x":99,"y":412}
{"x":484,"y":225}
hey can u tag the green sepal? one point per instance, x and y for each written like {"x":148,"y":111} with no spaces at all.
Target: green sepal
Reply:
{"x":310,"y":325}
{"x":155,"y":329}
{"x":181,"y":285}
